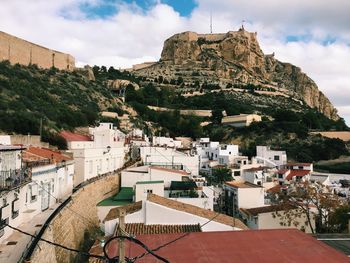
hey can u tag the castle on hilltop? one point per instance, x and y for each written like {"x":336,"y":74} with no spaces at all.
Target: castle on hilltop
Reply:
{"x":17,"y":50}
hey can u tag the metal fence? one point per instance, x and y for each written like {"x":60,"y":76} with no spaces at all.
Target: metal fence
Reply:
{"x":13,"y":178}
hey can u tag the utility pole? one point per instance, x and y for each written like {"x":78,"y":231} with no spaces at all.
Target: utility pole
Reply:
{"x":41,"y":128}
{"x":121,"y":215}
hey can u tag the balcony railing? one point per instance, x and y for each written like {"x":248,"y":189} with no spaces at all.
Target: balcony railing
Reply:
{"x":13,"y":178}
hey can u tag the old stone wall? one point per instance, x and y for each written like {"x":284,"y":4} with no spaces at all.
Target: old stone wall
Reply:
{"x":20,"y":51}
{"x":68,"y":227}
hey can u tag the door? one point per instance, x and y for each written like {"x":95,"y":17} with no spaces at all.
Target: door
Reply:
{"x":45,"y":196}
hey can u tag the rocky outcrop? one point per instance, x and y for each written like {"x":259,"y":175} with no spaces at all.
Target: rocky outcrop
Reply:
{"x":234,"y":57}
{"x":118,"y":84}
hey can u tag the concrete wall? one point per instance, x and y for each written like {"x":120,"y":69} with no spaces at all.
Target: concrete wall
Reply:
{"x":250,"y":197}
{"x":20,"y":51}
{"x":268,"y":221}
{"x":67,"y":228}
{"x":170,"y":155}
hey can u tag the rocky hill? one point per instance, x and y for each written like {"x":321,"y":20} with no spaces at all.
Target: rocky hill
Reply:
{"x":232,"y":60}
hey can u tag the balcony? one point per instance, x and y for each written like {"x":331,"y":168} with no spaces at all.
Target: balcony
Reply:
{"x":13,"y":178}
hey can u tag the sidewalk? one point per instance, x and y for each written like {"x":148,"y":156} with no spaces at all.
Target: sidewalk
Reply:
{"x":12,"y":253}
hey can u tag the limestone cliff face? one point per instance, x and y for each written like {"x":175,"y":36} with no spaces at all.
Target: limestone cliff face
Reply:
{"x":235,"y":57}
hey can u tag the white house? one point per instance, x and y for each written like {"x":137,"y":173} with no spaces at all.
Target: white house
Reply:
{"x":170,"y":157}
{"x":271,"y":158}
{"x":35,"y":180}
{"x":266,"y":217}
{"x":166,"y":142}
{"x":212,"y":154}
{"x":100,"y":152}
{"x":52,"y":175}
{"x":242,"y":195}
{"x":240,"y":120}
{"x":130,"y":176}
{"x":258,"y":176}
{"x":169,"y":183}
{"x":285,"y":175}
{"x":300,"y":166}
{"x":13,"y":178}
{"x":156,"y":210}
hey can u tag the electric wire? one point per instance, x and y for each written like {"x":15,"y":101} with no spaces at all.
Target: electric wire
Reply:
{"x":56,"y":244}
{"x":134,"y":240}
{"x":67,"y":207}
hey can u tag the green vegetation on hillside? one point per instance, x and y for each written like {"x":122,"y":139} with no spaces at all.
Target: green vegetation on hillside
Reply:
{"x":65,"y":100}
{"x":62,"y":100}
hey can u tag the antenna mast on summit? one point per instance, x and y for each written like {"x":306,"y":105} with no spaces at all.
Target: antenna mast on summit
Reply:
{"x":211,"y":22}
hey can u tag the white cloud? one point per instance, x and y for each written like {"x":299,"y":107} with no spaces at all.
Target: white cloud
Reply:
{"x":133,"y":35}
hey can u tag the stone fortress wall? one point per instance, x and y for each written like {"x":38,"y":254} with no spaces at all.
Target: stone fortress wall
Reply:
{"x":17,"y":50}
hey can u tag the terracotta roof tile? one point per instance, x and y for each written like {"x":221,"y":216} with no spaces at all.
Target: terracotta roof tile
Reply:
{"x":44,"y":153}
{"x":132,"y":208}
{"x":237,"y":184}
{"x":263,"y":246}
{"x":73,"y":137}
{"x":299,"y":164}
{"x":141,"y":229}
{"x":299,"y":173}
{"x":170,"y":170}
{"x":264,"y":209}
{"x":191,"y":209}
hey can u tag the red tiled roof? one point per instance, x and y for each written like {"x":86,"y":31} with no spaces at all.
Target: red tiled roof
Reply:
{"x":73,"y":137}
{"x":282,"y":171}
{"x":197,"y":211}
{"x":141,"y":229}
{"x":299,"y":164}
{"x":255,"y":169}
{"x":265,"y":209}
{"x":299,"y":173}
{"x":237,"y":184}
{"x":263,"y":246}
{"x":170,"y":170}
{"x":48,"y":154}
{"x":274,"y":189}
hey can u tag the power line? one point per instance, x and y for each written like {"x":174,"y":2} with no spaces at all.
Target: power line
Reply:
{"x":55,"y":244}
{"x":57,"y":199}
{"x":136,"y":241}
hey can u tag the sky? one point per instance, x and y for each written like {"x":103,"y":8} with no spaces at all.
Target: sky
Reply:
{"x":312,"y":34}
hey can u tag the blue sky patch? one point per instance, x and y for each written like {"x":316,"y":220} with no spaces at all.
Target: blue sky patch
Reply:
{"x":109,"y":8}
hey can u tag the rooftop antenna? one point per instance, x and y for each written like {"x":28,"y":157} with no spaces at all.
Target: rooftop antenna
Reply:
{"x":211,"y":22}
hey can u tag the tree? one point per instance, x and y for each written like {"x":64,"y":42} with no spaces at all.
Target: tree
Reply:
{"x":219,"y":176}
{"x":313,"y":201}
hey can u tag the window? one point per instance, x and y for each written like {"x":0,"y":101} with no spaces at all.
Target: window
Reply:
{"x":149,"y":191}
{"x":33,"y":190}
{"x":15,"y":207}
{"x":276,"y":158}
{"x":237,"y":173}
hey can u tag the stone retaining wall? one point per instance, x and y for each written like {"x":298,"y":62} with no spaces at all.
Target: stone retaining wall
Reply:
{"x":68,"y":227}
